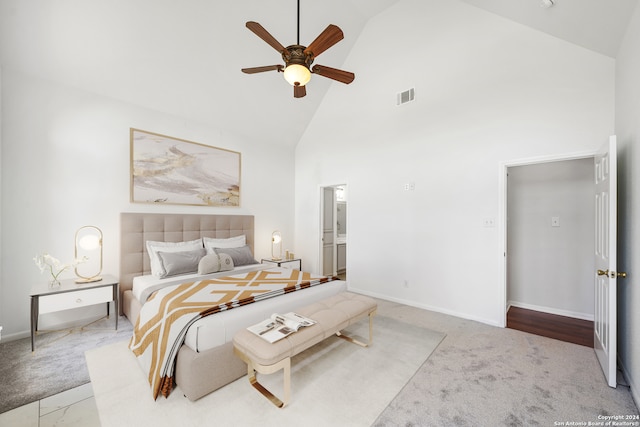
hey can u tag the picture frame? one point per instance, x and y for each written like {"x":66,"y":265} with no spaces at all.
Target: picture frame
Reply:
{"x":169,"y":170}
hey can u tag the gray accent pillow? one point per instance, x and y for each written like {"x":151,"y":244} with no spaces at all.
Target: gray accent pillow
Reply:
{"x":154,"y":247}
{"x":209,"y":264}
{"x":240,"y":256}
{"x":176,"y":263}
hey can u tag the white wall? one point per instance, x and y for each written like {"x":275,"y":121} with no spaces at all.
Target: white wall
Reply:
{"x":65,"y":164}
{"x":550,"y":268}
{"x":1,"y":290}
{"x":487,"y":91}
{"x":628,"y":132}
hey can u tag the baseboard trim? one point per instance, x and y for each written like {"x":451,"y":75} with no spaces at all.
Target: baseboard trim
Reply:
{"x":550,"y":310}
{"x":426,"y":307}
{"x":60,"y":326}
{"x":629,"y":379}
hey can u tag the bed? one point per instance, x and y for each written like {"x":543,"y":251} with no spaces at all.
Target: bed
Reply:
{"x":205,"y":362}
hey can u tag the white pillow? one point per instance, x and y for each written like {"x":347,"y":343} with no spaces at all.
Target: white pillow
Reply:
{"x":153,"y":248}
{"x":209,"y":264}
{"x":213,"y":263}
{"x":226,"y":263}
{"x":232,"y":242}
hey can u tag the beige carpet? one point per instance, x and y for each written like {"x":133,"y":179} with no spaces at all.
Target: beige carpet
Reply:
{"x":333,"y":383}
{"x":482,"y":375}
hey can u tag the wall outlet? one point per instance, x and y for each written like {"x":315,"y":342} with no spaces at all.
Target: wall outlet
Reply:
{"x":410,"y":186}
{"x":555,"y":221}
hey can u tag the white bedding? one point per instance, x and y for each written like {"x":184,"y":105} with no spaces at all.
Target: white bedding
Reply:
{"x":218,"y":329}
{"x":144,"y":286}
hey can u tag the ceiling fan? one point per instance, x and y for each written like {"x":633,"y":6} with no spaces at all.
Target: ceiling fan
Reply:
{"x":298,"y":59}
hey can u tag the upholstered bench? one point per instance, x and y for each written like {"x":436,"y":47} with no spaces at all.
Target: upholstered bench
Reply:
{"x":332,"y":315}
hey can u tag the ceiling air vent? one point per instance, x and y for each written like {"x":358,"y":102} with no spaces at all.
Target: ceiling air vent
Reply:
{"x":406,"y":96}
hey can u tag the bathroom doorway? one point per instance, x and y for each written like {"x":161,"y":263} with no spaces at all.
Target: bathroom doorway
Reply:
{"x":333,"y":231}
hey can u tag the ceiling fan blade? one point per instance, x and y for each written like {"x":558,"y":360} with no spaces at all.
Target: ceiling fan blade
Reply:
{"x":299,"y":91}
{"x":330,"y":36}
{"x":259,"y":31}
{"x":333,"y":73}
{"x":254,"y":70}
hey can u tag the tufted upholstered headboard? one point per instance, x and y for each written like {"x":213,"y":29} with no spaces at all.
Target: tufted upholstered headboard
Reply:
{"x":137,"y":228}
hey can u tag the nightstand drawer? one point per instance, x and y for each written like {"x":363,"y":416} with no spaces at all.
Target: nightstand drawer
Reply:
{"x":80,"y":298}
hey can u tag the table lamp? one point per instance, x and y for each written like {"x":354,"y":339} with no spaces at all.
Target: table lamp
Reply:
{"x":276,"y":246}
{"x":89,"y":247}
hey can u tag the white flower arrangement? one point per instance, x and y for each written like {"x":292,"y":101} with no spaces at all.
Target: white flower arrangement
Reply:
{"x":54,"y":266}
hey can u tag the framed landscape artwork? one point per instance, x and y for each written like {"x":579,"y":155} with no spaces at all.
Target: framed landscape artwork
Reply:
{"x":167,"y":170}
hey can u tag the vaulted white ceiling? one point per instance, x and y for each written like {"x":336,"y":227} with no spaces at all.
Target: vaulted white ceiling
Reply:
{"x":184,"y":58}
{"x":598,"y":25}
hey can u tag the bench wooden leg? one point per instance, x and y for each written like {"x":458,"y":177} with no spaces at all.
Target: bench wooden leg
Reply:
{"x":253,"y":368}
{"x":358,"y":342}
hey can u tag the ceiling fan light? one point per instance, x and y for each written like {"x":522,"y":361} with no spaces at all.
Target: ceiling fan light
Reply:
{"x":297,"y":75}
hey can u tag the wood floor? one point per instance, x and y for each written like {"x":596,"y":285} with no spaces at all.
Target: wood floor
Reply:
{"x":562,"y":328}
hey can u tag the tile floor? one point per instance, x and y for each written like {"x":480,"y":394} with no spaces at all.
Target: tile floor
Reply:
{"x":71,"y":408}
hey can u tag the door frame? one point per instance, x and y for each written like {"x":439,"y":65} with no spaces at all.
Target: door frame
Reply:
{"x":502,"y":210}
{"x":321,"y":224}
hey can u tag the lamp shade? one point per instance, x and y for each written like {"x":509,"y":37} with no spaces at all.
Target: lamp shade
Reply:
{"x":297,"y":75}
{"x":89,"y":242}
{"x":276,"y":245}
{"x":88,"y":247}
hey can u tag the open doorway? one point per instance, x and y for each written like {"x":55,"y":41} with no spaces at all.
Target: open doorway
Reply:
{"x":550,"y":229}
{"x":333,"y":231}
{"x":604,"y":233}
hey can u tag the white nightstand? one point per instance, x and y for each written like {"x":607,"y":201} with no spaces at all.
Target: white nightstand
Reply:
{"x":69,"y":294}
{"x":286,"y":263}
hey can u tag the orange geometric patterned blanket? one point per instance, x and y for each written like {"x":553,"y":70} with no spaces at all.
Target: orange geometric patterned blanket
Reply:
{"x":166,"y":316}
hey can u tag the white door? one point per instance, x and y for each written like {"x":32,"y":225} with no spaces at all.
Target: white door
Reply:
{"x":605,"y":260}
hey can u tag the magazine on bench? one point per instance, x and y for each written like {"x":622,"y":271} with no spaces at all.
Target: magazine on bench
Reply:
{"x":279,"y":326}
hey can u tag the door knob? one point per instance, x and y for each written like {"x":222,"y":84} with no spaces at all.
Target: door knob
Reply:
{"x":613,"y":274}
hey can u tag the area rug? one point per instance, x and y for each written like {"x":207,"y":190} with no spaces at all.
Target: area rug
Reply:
{"x":333,"y":383}
{"x":57,"y":364}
